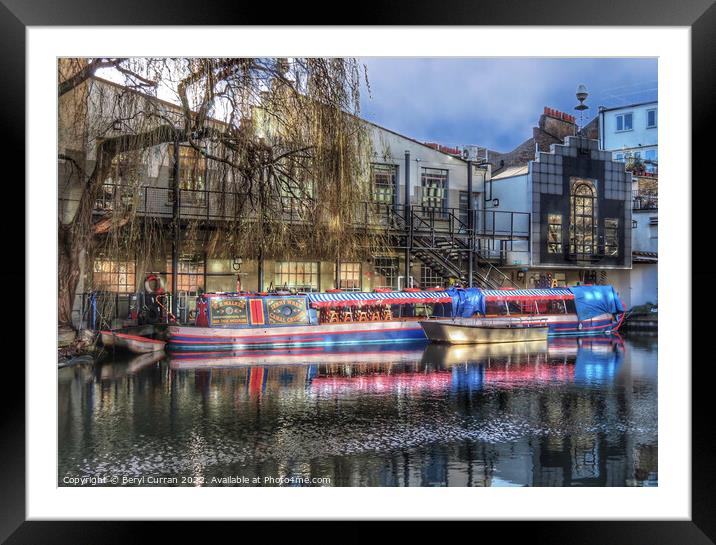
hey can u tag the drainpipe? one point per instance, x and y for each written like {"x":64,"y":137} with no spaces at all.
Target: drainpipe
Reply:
{"x":176,"y":229}
{"x":261,"y":270}
{"x":408,"y":219}
{"x":470,"y":222}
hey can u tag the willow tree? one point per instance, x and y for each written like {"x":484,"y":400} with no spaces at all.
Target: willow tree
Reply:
{"x":281,"y":136}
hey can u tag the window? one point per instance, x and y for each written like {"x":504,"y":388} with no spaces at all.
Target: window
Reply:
{"x":611,"y":236}
{"x":619,"y":157}
{"x":350,"y":276}
{"x":581,"y":240}
{"x":190,"y":276}
{"x":121,"y":183}
{"x":295,"y":198}
{"x":384,"y":179}
{"x":114,"y":276}
{"x":651,"y":160}
{"x":554,"y":234}
{"x":462,"y":205}
{"x":298,"y":275}
{"x":429,"y":278}
{"x":192,"y":169}
{"x":625,"y":122}
{"x":434,"y":184}
{"x":386,"y":272}
{"x":651,"y":118}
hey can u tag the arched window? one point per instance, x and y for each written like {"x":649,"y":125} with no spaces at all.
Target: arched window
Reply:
{"x":582,"y":225}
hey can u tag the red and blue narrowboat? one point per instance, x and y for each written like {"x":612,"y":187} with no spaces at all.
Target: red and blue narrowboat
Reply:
{"x":241,"y":321}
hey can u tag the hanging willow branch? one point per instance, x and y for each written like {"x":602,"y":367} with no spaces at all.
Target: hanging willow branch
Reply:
{"x":286,"y":156}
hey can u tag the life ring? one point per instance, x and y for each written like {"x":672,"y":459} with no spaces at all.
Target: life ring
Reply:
{"x":159,"y":284}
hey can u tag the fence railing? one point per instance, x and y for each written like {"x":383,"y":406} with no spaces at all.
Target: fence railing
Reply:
{"x":644,"y":201}
{"x":212,"y":205}
{"x":108,"y":309}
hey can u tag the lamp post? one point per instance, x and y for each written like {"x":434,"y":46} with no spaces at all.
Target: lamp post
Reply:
{"x":582,"y":95}
{"x":176,"y":228}
{"x":408,"y":219}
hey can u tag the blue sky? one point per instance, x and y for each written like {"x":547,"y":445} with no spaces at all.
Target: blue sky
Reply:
{"x":494,"y":102}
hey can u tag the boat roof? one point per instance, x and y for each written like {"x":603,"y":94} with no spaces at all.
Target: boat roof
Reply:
{"x":378,"y":298}
{"x":509,"y":295}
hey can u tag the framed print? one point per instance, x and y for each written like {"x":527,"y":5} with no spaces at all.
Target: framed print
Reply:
{"x":303,"y":269}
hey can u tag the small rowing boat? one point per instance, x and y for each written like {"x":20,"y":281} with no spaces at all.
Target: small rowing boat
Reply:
{"x":482,"y":331}
{"x":133,"y":343}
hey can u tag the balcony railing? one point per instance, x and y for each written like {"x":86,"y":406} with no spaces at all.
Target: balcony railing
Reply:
{"x":644,"y":201}
{"x":209,"y":205}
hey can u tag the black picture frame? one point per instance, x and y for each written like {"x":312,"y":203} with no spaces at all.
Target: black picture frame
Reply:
{"x":16,"y":15}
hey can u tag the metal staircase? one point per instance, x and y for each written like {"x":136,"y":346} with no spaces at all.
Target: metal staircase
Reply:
{"x":447,"y":251}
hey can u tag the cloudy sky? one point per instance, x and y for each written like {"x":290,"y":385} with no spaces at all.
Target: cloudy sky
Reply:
{"x":494,"y":102}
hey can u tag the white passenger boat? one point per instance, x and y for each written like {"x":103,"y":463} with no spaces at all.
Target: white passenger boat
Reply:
{"x":481,"y":330}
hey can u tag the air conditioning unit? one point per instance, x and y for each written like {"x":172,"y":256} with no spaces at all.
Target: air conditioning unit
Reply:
{"x":469,"y":153}
{"x":474,"y":153}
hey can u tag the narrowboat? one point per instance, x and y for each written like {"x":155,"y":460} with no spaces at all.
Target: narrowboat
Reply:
{"x":243,"y":321}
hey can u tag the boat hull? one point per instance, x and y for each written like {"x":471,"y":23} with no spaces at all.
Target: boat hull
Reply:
{"x":465,"y":332}
{"x":132,"y":343}
{"x":208,"y":339}
{"x":216,"y":339}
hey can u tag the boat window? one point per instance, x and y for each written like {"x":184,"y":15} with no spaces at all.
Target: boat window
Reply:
{"x":555,"y":307}
{"x":571,"y":307}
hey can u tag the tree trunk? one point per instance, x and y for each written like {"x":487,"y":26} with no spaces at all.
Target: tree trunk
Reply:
{"x":68,"y":276}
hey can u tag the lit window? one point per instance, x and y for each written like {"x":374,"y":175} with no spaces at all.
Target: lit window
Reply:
{"x":582,"y":220}
{"x":554,"y":234}
{"x":113,"y":276}
{"x":190,"y":277}
{"x":297,"y":275}
{"x":651,"y":119}
{"x":350,"y":276}
{"x":611,"y":236}
{"x":625,"y":122}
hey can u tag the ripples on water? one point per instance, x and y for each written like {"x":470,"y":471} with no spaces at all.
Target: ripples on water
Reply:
{"x":571,"y":412}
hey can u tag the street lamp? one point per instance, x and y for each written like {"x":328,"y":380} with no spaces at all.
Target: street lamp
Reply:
{"x":582,"y":95}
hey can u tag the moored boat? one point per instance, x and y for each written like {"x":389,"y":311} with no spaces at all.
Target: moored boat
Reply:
{"x":133,"y":343}
{"x":483,"y":331}
{"x":243,"y":321}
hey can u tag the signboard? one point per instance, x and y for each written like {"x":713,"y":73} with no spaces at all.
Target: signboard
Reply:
{"x":228,"y":311}
{"x":287,"y":311}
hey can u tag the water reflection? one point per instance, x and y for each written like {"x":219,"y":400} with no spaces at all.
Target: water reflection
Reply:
{"x":565,"y":413}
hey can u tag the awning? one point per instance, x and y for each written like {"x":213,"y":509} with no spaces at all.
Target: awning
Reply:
{"x":377,"y":298}
{"x":530,"y":295}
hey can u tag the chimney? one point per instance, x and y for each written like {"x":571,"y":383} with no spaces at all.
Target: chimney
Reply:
{"x":556,"y":123}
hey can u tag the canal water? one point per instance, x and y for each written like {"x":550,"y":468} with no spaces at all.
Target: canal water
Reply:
{"x":570,"y":412}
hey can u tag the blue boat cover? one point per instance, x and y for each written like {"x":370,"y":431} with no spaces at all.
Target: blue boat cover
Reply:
{"x":592,"y":301}
{"x":466,"y":302}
